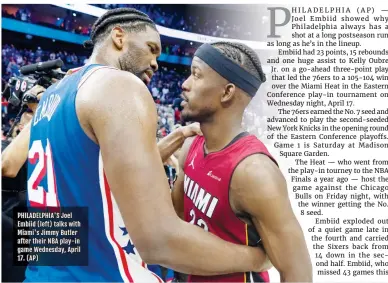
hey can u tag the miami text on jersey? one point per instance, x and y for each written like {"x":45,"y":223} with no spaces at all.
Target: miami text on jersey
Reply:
{"x":200,"y":198}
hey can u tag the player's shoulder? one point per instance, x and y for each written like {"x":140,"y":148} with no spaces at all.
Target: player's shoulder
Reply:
{"x":258,"y":177}
{"x":184,"y":151}
{"x":110,"y":86}
{"x":191,"y":140}
{"x":256,"y":161}
{"x":114,"y":95}
{"x":110,"y":78}
{"x":257,"y":167}
{"x":251,"y":144}
{"x":188,"y":145}
{"x":253,"y":140}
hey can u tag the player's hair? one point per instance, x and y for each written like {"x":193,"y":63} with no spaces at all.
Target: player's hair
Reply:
{"x":127,"y":18}
{"x":245,"y":56}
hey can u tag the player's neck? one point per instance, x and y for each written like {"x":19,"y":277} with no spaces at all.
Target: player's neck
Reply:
{"x":103,"y":59}
{"x":220,"y":132}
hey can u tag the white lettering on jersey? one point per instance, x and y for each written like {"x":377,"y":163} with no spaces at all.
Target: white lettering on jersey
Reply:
{"x":194,"y":192}
{"x":202,"y":200}
{"x":186,"y":183}
{"x":211,"y":175}
{"x":212,"y":207}
{"x":190,"y":187}
{"x":47,"y":108}
{"x":200,"y":197}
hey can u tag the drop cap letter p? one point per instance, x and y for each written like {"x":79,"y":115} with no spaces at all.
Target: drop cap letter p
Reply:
{"x":273,"y":20}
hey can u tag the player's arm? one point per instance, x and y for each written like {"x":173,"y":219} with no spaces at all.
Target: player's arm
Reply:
{"x":259,"y":189}
{"x":177,"y":193}
{"x":15,"y":155}
{"x":174,"y":141}
{"x":119,"y":111}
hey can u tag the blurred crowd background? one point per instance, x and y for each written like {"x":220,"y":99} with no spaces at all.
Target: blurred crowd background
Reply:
{"x":212,"y":20}
{"x":165,"y":86}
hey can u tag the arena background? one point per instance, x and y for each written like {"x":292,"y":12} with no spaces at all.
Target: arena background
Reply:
{"x":34,"y":33}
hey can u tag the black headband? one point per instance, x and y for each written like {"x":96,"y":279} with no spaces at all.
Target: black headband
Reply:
{"x":228,"y":69}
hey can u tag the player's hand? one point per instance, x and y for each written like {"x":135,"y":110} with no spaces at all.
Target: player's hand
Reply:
{"x":36,"y":91}
{"x":173,"y":162}
{"x":264,"y":264}
{"x":191,"y":130}
{"x":267,"y":265}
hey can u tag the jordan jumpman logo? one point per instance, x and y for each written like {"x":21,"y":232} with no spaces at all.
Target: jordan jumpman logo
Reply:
{"x":192,"y":161}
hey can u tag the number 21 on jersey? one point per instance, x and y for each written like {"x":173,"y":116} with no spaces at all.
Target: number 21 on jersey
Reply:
{"x":42,"y":192}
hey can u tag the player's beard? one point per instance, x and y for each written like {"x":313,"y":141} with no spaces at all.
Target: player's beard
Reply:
{"x":186,"y":117}
{"x":201,"y":116}
{"x":130,"y":62}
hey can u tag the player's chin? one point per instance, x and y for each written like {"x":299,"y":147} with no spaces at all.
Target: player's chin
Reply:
{"x":186,"y":116}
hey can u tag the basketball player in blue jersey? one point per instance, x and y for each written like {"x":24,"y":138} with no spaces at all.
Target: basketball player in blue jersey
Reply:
{"x":92,"y":144}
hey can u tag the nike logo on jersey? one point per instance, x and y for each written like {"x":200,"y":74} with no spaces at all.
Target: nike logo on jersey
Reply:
{"x":210,"y":174}
{"x":47,"y":108}
{"x":202,"y":200}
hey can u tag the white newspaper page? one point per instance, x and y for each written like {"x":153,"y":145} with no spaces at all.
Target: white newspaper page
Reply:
{"x":326,"y":121}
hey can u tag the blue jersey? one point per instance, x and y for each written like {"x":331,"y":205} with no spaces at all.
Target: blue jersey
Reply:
{"x":66,"y":170}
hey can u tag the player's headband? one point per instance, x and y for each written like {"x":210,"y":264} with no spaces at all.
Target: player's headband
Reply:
{"x":228,"y":69}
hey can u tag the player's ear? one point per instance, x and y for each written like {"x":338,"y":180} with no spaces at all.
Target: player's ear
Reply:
{"x":117,"y":36}
{"x":229,"y":93}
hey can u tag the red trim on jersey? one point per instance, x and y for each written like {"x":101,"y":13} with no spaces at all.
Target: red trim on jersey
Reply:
{"x":157,"y":277}
{"x":37,"y":204}
{"x":55,"y":179}
{"x":110,"y":214}
{"x":72,"y":71}
{"x":42,"y":172}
